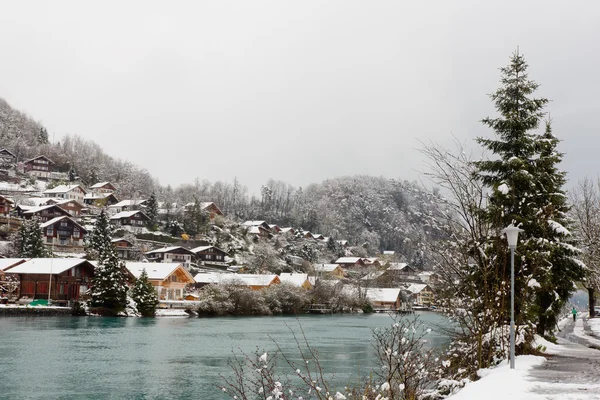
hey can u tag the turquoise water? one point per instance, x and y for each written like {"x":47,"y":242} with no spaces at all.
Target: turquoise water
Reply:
{"x":162,"y":358}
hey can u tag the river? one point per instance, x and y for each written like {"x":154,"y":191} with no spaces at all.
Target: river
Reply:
{"x":168,"y":358}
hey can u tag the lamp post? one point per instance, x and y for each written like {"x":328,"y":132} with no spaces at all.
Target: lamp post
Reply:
{"x":512,"y":235}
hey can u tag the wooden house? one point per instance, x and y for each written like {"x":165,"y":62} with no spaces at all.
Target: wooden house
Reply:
{"x":329,"y":270}
{"x":70,"y":192}
{"x":288,"y":230}
{"x":63,"y":233}
{"x":169,"y":279}
{"x":384,"y":298}
{"x":134,"y":221}
{"x":209,"y":254}
{"x":350,"y":262}
{"x":126,"y":205}
{"x":100,"y":199}
{"x":102,"y":188}
{"x":125,"y":249}
{"x":64,"y":279}
{"x":173,"y":254}
{"x":211,"y":208}
{"x":421,"y":294}
{"x":259,"y":231}
{"x":274,"y":228}
{"x":44,"y":213}
{"x":343,"y":243}
{"x":6,"y":205}
{"x":296,"y":279}
{"x":7,"y":157}
{"x":73,"y":207}
{"x":40,"y":166}
{"x":307,"y":235}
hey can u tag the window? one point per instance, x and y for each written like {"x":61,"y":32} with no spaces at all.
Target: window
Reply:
{"x":49,"y":239}
{"x":173,"y":278}
{"x":27,"y":287}
{"x":42,"y":287}
{"x":64,"y":223}
{"x":50,"y":231}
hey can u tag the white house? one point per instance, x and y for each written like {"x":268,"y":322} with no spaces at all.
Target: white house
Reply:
{"x":172,"y":254}
{"x":71,"y":192}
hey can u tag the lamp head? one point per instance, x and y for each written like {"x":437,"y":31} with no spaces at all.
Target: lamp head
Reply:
{"x":512,"y":235}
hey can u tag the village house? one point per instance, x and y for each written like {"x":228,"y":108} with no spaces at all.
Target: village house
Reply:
{"x":420,"y":293}
{"x":343,"y":243}
{"x":5,"y":205}
{"x":259,"y":231}
{"x":371,"y":262}
{"x":209,"y":254}
{"x":252,"y":281}
{"x":274,"y":228}
{"x":63,"y":233}
{"x":102,"y":188}
{"x":134,"y":221}
{"x":307,"y":235}
{"x":402,"y":272}
{"x":296,"y":279}
{"x":71,"y":192}
{"x":169,"y":279}
{"x":73,"y":207}
{"x":350,"y":262}
{"x":329,"y":270}
{"x":100,"y":199}
{"x":173,"y":254}
{"x":40,"y":167}
{"x":262,"y":224}
{"x":288,"y":230}
{"x":7,"y":158}
{"x":63,"y":279}
{"x":125,"y":249}
{"x":126,"y":205}
{"x":384,"y":298}
{"x":44,"y":213}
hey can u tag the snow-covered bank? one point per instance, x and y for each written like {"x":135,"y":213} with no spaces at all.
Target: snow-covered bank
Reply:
{"x":501,"y":382}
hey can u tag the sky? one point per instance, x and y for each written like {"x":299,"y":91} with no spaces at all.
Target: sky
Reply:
{"x":295,"y":91}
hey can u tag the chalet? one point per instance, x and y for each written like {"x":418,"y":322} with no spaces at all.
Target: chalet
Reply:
{"x":74,"y":192}
{"x":63,"y":232}
{"x":73,"y":207}
{"x":125,"y":248}
{"x":307,"y":235}
{"x":291,"y":231}
{"x":371,"y":262}
{"x":212,"y":209}
{"x":258,"y":231}
{"x":126,"y":205}
{"x":209,"y":254}
{"x":44,"y":213}
{"x":40,"y":166}
{"x":5,"y":205}
{"x":274,"y":228}
{"x":402,"y":272}
{"x":262,"y":224}
{"x":253,"y":281}
{"x":296,"y":279}
{"x":173,"y":254}
{"x":134,"y":221}
{"x":63,"y":279}
{"x":100,"y":199}
{"x":428,"y":277}
{"x":331,"y":270}
{"x":343,"y":243}
{"x":8,"y":263}
{"x":384,"y":298}
{"x":6,"y":157}
{"x":318,"y":236}
{"x":102,"y":188}
{"x":169,"y":279}
{"x":420,"y":293}
{"x":350,"y":262}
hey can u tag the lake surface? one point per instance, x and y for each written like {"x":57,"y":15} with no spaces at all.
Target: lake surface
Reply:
{"x":168,"y":358}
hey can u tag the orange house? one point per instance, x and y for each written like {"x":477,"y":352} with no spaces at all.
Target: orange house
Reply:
{"x":169,"y":279}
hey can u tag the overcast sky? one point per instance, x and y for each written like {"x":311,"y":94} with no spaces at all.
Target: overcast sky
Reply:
{"x":296,"y":91}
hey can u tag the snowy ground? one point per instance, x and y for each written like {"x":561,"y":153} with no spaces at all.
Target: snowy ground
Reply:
{"x":570,"y":371}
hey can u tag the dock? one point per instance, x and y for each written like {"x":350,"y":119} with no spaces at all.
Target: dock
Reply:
{"x":319,"y":309}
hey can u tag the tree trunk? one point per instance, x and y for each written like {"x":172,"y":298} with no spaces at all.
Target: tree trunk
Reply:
{"x":591,"y":300}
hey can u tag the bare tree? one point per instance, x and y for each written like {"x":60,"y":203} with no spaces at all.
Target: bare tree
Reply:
{"x":585,"y":198}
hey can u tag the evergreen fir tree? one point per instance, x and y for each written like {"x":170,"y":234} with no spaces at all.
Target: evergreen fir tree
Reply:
{"x":151,"y":210}
{"x":30,"y":240}
{"x":42,"y":136}
{"x":109,"y":285}
{"x":72,"y":175}
{"x":145,"y":296}
{"x":527,"y":191}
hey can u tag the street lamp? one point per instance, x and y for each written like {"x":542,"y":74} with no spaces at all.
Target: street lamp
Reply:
{"x":512,"y":235}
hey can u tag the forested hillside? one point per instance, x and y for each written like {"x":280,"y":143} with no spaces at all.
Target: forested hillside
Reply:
{"x":376,"y":213}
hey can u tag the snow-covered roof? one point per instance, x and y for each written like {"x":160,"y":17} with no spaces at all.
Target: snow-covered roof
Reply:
{"x":252,"y":279}
{"x":168,"y":250}
{"x":387,"y":295}
{"x":326,"y":267}
{"x":9,"y":262}
{"x":7,"y":151}
{"x":126,"y":214}
{"x":348,"y":260}
{"x":64,"y":189}
{"x":398,"y":266}
{"x":127,"y":203}
{"x":389,"y":252}
{"x":39,"y":201}
{"x":372,"y":275}
{"x":100,"y":184}
{"x":294,"y":279}
{"x":34,"y":210}
{"x":416,"y":287}
{"x":155,"y":271}
{"x":52,"y":266}
{"x":116,"y":240}
{"x":211,"y":277}
{"x":36,"y":157}
{"x":254,"y":229}
{"x":203,"y":248}
{"x":57,"y":219}
{"x":95,"y":196}
{"x":285,"y":230}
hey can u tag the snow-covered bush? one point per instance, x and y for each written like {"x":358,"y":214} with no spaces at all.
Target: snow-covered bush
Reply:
{"x":286,"y":298}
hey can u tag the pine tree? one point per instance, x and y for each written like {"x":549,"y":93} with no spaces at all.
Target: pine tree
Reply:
{"x":145,"y":296}
{"x":30,"y":239}
{"x":151,"y":210}
{"x":526,"y":189}
{"x":109,"y":285}
{"x":42,"y":136}
{"x":72,"y":175}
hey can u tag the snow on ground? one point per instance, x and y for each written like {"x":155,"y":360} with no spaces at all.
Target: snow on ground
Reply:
{"x":548,"y":347}
{"x":171,"y":313}
{"x":594,"y":324}
{"x":579,"y":332}
{"x":502,"y":382}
